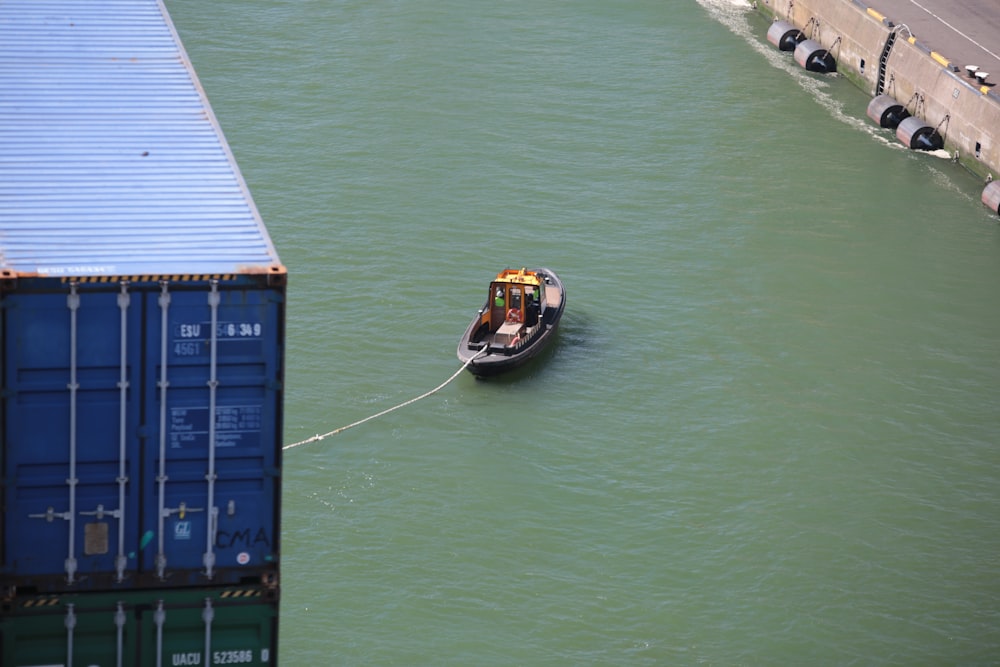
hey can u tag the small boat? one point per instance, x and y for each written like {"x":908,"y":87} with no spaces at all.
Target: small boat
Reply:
{"x":518,"y":320}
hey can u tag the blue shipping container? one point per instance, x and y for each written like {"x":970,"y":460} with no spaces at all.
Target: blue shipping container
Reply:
{"x":141,"y":315}
{"x":116,"y":473}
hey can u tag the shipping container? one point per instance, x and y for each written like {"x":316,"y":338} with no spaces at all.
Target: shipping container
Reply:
{"x":114,"y":472}
{"x":142,"y":310}
{"x":214,"y":626}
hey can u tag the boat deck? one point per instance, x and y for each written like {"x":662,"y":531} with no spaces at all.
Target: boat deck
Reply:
{"x":553,"y":296}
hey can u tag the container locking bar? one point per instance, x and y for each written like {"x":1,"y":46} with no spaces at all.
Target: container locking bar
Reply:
{"x":73,"y":303}
{"x":51,"y":514}
{"x":207,"y":615}
{"x":120,"y":625}
{"x":163,"y":384}
{"x":181,"y":509}
{"x":159,"y":618}
{"x":70,"y":624}
{"x":213,"y":384}
{"x":120,"y":560}
{"x":99,"y":513}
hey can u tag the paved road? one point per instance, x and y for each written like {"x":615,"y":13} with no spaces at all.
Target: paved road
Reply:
{"x":966,"y":32}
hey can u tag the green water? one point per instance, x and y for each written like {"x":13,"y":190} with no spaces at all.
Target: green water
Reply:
{"x":768,"y":433}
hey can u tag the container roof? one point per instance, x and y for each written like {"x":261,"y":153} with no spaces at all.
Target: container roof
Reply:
{"x":111,"y":160}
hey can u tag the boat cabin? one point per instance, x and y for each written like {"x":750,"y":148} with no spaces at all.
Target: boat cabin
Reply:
{"x":515,"y":297}
{"x":514,"y":307}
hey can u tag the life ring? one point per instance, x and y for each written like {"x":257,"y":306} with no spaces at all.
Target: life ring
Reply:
{"x":514,"y":315}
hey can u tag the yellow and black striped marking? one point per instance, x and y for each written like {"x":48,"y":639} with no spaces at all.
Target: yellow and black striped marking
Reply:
{"x":241,"y":593}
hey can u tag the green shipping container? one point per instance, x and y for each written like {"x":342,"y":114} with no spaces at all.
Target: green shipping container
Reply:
{"x":154,"y":628}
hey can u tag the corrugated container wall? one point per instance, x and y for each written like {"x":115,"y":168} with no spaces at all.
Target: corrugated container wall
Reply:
{"x":142,"y":310}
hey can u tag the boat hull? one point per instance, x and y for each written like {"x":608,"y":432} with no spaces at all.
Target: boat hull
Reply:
{"x":485,"y":357}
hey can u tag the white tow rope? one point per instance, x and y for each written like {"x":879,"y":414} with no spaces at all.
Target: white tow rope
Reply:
{"x":317,"y":438}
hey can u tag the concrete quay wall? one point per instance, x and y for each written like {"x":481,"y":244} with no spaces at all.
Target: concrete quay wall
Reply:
{"x":936,"y":90}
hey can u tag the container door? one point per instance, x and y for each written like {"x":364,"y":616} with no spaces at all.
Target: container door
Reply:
{"x":67,"y":635}
{"x":212,"y":458}
{"x":214,"y":632}
{"x":71,"y":377}
{"x":142,"y":628}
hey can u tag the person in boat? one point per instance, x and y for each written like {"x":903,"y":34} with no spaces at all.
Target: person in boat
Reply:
{"x":534,"y":306}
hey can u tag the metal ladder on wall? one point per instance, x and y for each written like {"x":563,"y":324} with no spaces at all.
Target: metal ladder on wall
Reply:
{"x":890,"y":40}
